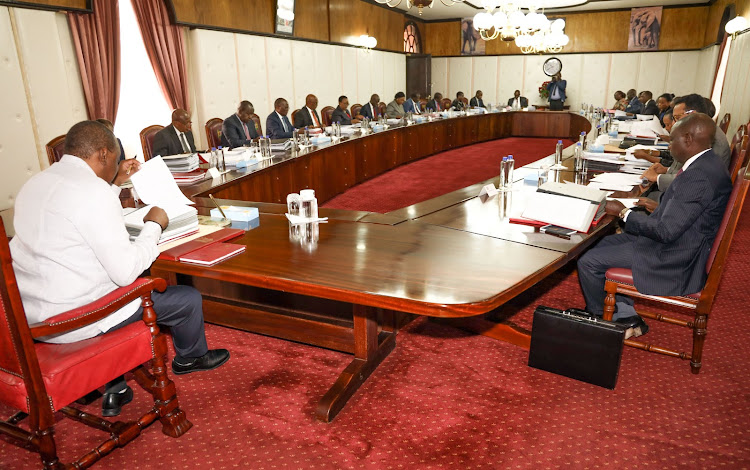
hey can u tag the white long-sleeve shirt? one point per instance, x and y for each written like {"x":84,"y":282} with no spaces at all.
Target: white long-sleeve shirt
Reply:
{"x":71,"y":246}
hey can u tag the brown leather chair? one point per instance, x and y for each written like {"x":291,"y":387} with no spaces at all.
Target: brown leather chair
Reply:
{"x":55,"y":149}
{"x":737,"y":137}
{"x":724,"y":124}
{"x":147,"y":140}
{"x":698,"y":305}
{"x":40,"y":379}
{"x":213,"y":132}
{"x":423,"y":104}
{"x":355,"y":109}
{"x":294,"y":113}
{"x":256,"y":120}
{"x":446,"y":103}
{"x":465,"y":101}
{"x":382,"y":107}
{"x":325,"y":115}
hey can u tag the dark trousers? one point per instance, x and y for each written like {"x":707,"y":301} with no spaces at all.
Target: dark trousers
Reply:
{"x":555,"y":105}
{"x":614,"y":251}
{"x":181,"y":309}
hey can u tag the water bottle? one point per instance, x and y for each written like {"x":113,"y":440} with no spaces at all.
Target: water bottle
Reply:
{"x":307,"y":136}
{"x":212,"y":161}
{"x":558,"y":154}
{"x":503,"y":174}
{"x":578,"y":154}
{"x":295,"y":138}
{"x":509,"y":178}
{"x":220,"y":162}
{"x":582,"y":139}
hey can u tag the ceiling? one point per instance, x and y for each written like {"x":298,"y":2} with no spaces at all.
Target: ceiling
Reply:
{"x":439,"y":11}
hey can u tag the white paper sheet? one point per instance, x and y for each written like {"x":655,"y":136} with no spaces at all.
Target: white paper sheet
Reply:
{"x":155,"y":185}
{"x":626,"y":201}
{"x":617,"y":178}
{"x":610,"y":186}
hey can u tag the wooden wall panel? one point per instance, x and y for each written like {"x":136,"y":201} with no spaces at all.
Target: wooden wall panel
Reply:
{"x":311,"y":20}
{"x":47,"y":4}
{"x":349,"y":19}
{"x":716,"y":10}
{"x":683,"y":28}
{"x":243,"y":15}
{"x":442,"y":39}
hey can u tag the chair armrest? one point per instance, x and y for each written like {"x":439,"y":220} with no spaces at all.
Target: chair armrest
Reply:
{"x":95,"y":311}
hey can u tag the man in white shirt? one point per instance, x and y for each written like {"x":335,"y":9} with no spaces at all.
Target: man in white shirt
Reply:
{"x":71,"y":248}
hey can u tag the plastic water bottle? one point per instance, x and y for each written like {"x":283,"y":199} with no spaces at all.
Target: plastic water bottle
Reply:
{"x":509,"y":178}
{"x":582,"y":140}
{"x":503,"y":174}
{"x":212,"y":160}
{"x":558,"y":153}
{"x":220,"y":162}
{"x":578,"y":155}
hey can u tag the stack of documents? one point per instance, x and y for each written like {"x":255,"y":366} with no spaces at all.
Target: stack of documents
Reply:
{"x":615,"y":181}
{"x":571,"y":206}
{"x":155,"y":186}
{"x":182,"y":163}
{"x":241,"y":154}
{"x":189,"y":177}
{"x":281,"y":146}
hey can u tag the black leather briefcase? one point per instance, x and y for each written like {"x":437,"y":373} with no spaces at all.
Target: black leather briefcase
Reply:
{"x":576,"y":345}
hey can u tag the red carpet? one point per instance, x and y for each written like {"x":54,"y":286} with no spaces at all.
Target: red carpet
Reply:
{"x":448,"y":399}
{"x":440,"y":174}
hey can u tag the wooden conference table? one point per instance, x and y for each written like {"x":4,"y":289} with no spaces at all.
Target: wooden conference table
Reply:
{"x":339,"y":284}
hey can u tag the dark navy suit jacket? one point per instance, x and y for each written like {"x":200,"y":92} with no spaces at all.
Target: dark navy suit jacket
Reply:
{"x":166,"y":142}
{"x":560,"y":85}
{"x":367,"y":111}
{"x":673,"y":243}
{"x":476,"y":103}
{"x":232,"y":133}
{"x":274,"y":128}
{"x":341,"y":115}
{"x":409,"y":106}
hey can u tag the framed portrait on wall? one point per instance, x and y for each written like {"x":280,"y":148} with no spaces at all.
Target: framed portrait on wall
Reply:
{"x":471,"y":42}
{"x":285,"y":17}
{"x":645,"y":29}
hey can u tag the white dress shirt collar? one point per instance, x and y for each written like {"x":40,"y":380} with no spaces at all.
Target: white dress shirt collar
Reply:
{"x":281,"y":118}
{"x":692,"y":159}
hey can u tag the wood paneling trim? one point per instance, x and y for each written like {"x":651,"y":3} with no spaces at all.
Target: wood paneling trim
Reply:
{"x":71,"y":5}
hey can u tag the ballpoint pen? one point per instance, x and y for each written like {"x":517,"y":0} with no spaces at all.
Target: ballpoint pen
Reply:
{"x":217,"y":205}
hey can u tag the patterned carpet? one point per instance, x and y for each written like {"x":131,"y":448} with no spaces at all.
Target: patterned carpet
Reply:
{"x":448,"y":399}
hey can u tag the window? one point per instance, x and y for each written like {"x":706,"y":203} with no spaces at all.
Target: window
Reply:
{"x":142,"y":102}
{"x":412,"y":44}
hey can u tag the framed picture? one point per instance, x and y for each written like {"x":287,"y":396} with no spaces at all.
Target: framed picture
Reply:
{"x":645,"y":29}
{"x":471,"y":42}
{"x":285,"y":17}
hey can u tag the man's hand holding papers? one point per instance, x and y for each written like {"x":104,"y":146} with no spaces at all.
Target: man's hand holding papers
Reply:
{"x":125,"y":169}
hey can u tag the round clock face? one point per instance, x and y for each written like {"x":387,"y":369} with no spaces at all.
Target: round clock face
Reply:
{"x":552,"y":66}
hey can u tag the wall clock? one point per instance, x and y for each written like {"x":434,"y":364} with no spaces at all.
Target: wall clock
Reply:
{"x":552,"y":66}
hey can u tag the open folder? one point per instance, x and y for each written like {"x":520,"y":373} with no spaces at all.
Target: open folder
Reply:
{"x":571,"y":206}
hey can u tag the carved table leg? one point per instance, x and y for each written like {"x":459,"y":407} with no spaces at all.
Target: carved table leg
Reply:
{"x":369,"y":351}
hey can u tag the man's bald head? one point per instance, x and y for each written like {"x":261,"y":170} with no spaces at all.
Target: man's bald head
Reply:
{"x":181,"y":120}
{"x":311,"y":101}
{"x":691,"y":135}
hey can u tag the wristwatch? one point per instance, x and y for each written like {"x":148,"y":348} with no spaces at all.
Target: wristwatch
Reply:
{"x":623,"y":212}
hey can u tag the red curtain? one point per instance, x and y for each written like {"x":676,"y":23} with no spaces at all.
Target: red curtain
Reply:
{"x":96,"y":37}
{"x":165,"y":47}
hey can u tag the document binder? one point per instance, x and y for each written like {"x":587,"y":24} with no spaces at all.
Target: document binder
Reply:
{"x":576,"y":345}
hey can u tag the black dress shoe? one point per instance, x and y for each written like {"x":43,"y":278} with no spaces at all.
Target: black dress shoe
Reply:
{"x":113,"y":402}
{"x":211,"y":360}
{"x":635,"y":326}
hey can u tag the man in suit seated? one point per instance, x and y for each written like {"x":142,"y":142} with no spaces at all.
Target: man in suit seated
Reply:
{"x":412,"y":104}
{"x":477,"y":102}
{"x":634,"y":103}
{"x":341,"y":113}
{"x":648,"y":104}
{"x":71,"y":248}
{"x":395,"y":109}
{"x":434,"y":104}
{"x":458,"y":104}
{"x":667,"y":250}
{"x":277,"y":124}
{"x":239,"y":129}
{"x":370,"y":110}
{"x":518,"y":101}
{"x":176,"y":138}
{"x":308,"y":115}
{"x":108,"y":124}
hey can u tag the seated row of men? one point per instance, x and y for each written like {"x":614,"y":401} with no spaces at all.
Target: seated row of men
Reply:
{"x":643,"y":103}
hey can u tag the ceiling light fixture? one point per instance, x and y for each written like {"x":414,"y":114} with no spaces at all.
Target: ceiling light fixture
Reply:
{"x":735,"y":26}
{"x":420,"y":4}
{"x":367,"y":42}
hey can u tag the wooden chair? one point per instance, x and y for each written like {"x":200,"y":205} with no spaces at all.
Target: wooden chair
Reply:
{"x":737,"y":159}
{"x":724,"y":124}
{"x":355,"y":108}
{"x":55,"y":149}
{"x":737,"y":137}
{"x":40,"y":379}
{"x":213,"y":132}
{"x":381,"y":108}
{"x":446,"y":103}
{"x":256,"y":120}
{"x":698,"y":305}
{"x":465,"y":101}
{"x":147,"y":140}
{"x":325,"y":115}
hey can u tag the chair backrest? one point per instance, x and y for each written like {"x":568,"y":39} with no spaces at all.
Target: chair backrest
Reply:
{"x":256,"y":120}
{"x":213,"y":132}
{"x":17,"y":353}
{"x":738,"y":155}
{"x":724,"y":124}
{"x":465,"y":100}
{"x":147,"y":140}
{"x":737,"y":137}
{"x":294,"y":113}
{"x":355,"y":109}
{"x":446,"y":103}
{"x":325,"y":115}
{"x":423,"y":105}
{"x":720,"y":249}
{"x":55,"y":149}
{"x":381,"y":108}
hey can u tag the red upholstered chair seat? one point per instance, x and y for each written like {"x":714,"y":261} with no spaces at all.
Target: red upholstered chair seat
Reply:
{"x":625,"y":276}
{"x":103,"y":358}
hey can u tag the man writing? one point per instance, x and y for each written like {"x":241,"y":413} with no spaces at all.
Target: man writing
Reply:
{"x":71,"y":248}
{"x":667,"y":250}
{"x":239,"y":129}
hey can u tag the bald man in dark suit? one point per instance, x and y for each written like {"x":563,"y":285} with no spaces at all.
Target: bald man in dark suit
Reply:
{"x":668,"y":249}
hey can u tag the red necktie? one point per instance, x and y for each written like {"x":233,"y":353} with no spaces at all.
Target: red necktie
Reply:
{"x":437,"y":106}
{"x":247,"y":132}
{"x":315,"y":119}
{"x":679,"y":172}
{"x":374,"y":110}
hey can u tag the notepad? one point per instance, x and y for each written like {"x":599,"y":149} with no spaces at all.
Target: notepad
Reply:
{"x":213,"y":254}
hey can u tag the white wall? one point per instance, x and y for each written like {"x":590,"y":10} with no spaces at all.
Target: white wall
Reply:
{"x":42,"y":94}
{"x":735,"y":98}
{"x":592,"y":78}
{"x":226,"y":68}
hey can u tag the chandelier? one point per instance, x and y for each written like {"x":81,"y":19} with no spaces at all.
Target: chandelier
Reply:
{"x":532,"y":31}
{"x":420,"y":4}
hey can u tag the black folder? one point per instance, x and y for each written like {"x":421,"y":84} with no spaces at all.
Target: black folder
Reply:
{"x":576,"y":345}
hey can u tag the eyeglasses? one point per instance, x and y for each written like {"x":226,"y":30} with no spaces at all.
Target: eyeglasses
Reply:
{"x":677,"y":117}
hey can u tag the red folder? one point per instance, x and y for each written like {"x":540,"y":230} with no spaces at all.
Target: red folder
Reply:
{"x":174,"y":254}
{"x":213,"y":254}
